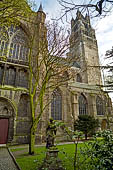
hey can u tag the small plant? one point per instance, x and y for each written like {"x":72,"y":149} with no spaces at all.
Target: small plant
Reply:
{"x":75,"y":137}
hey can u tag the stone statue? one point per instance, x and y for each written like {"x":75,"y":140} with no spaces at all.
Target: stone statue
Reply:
{"x":50,"y":134}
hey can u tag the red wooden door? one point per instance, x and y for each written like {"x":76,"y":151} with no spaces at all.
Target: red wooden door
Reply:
{"x":3,"y":131}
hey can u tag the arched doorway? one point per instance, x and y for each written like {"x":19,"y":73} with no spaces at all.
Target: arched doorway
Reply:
{"x":6,"y":121}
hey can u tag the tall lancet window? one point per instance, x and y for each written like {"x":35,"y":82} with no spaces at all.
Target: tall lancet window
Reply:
{"x":56,"y":105}
{"x":83,"y":106}
{"x":100,"y":106}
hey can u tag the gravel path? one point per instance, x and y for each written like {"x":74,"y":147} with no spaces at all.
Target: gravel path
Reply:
{"x":6,"y":161}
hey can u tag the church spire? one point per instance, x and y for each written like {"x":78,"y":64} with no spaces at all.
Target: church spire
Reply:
{"x":40,"y":8}
{"x":87,"y":18}
{"x":40,"y":14}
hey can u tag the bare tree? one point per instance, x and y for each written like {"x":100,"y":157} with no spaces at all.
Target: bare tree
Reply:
{"x":48,"y":68}
{"x":94,"y":8}
{"x":47,"y":60}
{"x":109,"y":70}
{"x":109,"y":53}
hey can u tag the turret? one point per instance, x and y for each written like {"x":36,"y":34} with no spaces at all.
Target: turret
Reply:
{"x":41,"y":15}
{"x":72,"y":22}
{"x":79,"y":15}
{"x":87,"y":18}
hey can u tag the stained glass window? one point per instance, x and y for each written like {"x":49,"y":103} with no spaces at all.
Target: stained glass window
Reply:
{"x":83,"y":106}
{"x":14,"y":43}
{"x":56,"y":105}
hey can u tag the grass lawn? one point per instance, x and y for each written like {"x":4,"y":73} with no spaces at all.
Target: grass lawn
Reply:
{"x":27,"y":162}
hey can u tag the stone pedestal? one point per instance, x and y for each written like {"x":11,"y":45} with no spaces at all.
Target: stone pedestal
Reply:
{"x":52,"y":162}
{"x":52,"y":153}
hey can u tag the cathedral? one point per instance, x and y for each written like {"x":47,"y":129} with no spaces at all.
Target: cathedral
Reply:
{"x":80,"y":96}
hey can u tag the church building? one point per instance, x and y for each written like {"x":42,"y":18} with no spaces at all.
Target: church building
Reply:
{"x":80,"y":96}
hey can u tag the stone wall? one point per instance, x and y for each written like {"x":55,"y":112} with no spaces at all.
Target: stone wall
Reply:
{"x":15,"y":107}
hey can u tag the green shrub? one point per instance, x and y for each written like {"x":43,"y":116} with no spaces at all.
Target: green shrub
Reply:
{"x":101,"y":152}
{"x":87,"y":124}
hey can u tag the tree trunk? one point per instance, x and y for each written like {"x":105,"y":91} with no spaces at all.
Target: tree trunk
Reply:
{"x":32,"y":143}
{"x":32,"y":133}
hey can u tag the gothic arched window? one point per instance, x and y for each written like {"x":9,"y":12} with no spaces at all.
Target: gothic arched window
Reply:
{"x":56,"y":105}
{"x":3,"y":42}
{"x":100,"y":105}
{"x":83,"y":106}
{"x":19,"y":45}
{"x":14,"y":44}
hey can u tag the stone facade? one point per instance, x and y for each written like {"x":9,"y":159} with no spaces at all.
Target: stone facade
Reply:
{"x":67,"y":100}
